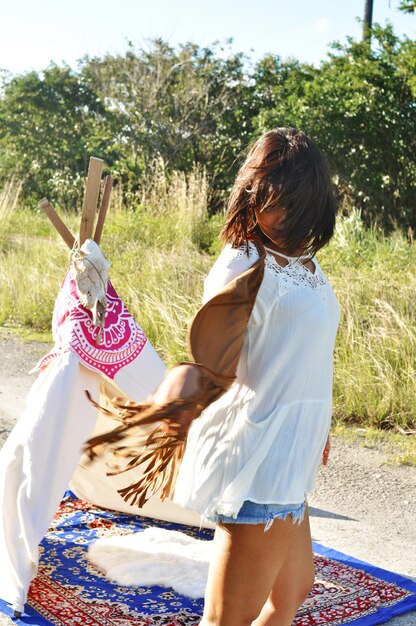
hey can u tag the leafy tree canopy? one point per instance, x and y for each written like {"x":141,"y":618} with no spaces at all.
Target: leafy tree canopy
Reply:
{"x":47,"y":124}
{"x":191,"y":105}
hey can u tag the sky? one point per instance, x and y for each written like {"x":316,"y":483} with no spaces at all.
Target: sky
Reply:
{"x":35,"y":32}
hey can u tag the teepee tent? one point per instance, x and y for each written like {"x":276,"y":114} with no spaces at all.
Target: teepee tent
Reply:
{"x":97,"y":343}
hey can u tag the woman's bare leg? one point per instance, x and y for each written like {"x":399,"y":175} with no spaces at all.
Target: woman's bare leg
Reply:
{"x":293,"y":582}
{"x":245,"y":564}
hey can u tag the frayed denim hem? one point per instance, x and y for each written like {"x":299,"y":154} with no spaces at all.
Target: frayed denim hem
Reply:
{"x":255,"y":513}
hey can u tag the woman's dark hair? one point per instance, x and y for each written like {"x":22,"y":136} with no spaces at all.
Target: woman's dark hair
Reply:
{"x":283,"y":169}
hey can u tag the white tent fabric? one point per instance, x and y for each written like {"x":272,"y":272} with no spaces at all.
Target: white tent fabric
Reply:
{"x":43,"y":450}
{"x":36,"y":464}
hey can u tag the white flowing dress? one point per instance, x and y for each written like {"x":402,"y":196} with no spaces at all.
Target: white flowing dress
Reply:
{"x":263,"y":439}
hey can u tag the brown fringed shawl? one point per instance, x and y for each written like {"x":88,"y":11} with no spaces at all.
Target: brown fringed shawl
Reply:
{"x":215,"y":341}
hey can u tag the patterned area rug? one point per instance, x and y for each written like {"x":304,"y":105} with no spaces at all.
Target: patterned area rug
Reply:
{"x":70,"y":591}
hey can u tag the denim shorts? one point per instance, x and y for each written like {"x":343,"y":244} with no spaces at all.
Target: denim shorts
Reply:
{"x":254,"y":513}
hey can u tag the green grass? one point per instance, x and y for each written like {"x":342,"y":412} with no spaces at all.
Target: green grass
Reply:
{"x":26,"y":335}
{"x":398,"y":449}
{"x":160,"y":255}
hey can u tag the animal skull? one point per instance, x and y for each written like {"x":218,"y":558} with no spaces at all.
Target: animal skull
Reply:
{"x":91,"y":275}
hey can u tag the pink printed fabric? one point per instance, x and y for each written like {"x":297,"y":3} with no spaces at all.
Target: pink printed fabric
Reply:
{"x":121,"y":341}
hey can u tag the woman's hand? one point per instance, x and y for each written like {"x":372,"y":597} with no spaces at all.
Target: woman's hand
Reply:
{"x":325,"y":453}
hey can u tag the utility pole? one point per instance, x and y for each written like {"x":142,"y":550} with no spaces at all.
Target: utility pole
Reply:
{"x":368,"y":20}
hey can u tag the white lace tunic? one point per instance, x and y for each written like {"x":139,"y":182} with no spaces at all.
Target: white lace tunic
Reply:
{"x":263,"y":439}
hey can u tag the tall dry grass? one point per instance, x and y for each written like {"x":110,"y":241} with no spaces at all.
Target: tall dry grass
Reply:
{"x":9,"y":197}
{"x":375,"y":356}
{"x":158,"y":268}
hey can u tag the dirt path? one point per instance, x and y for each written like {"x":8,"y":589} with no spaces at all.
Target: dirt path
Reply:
{"x":361,"y":505}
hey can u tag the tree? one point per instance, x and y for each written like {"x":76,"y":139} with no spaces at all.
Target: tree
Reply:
{"x":360,"y":107}
{"x":191,"y":105}
{"x":186,"y":106}
{"x":279,"y":86}
{"x":47,"y":133}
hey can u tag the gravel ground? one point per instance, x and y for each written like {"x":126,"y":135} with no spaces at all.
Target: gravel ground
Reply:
{"x":361,"y":505}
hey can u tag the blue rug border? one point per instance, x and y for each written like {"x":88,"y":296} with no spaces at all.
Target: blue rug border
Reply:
{"x":29,"y":617}
{"x":385,"y":613}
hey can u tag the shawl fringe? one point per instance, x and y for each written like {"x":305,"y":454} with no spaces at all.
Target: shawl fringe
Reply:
{"x":215,"y":341}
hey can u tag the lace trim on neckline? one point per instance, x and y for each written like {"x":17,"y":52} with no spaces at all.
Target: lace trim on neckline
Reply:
{"x":292,"y":275}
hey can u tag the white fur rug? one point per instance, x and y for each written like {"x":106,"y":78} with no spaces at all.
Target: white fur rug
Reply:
{"x":154,"y":556}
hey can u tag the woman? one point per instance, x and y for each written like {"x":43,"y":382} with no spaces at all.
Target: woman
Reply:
{"x":252,"y":456}
{"x":263,"y":374}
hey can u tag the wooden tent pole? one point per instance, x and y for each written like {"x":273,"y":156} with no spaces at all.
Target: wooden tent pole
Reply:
{"x":66,"y":235}
{"x":92,"y":190}
{"x":108,"y":184}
